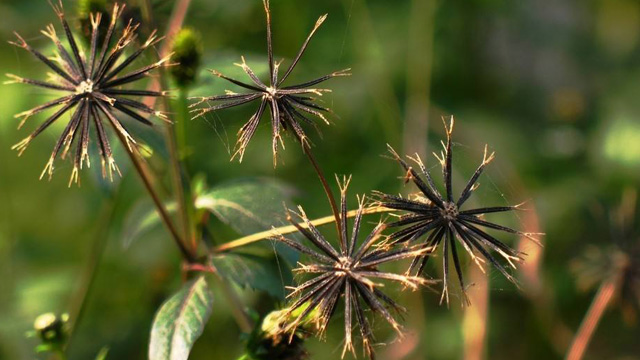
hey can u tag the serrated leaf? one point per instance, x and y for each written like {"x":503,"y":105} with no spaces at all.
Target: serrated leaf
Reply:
{"x":142,"y":219}
{"x":254,"y":271}
{"x":180,"y":321}
{"x":249,"y":206}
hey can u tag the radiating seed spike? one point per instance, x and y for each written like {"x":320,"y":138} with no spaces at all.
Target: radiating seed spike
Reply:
{"x":48,"y":169}
{"x":22,"y":145}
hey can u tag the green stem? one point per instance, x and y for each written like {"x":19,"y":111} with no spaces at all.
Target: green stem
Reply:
{"x":183,"y":152}
{"x":181,"y":125}
{"x":87,"y":281}
{"x":178,"y":183}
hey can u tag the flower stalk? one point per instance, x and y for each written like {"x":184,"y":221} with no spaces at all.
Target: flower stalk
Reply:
{"x":284,"y":230}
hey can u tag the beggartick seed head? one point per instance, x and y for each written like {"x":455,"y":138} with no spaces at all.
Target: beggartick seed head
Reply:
{"x":437,"y":219}
{"x":618,"y":262}
{"x":289,"y":106}
{"x":91,"y":83}
{"x":349,"y":271}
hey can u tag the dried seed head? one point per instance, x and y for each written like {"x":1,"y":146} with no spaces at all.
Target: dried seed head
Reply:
{"x":289,"y":106}
{"x":350,"y":271}
{"x":437,"y":219}
{"x":92,"y":86}
{"x":619,"y":262}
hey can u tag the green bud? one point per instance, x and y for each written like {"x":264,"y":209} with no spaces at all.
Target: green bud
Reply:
{"x":269,"y":341}
{"x":52,"y":329}
{"x":187,"y":52}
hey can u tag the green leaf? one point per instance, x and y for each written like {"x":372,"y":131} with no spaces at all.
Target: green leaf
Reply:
{"x":142,"y":219}
{"x":180,"y":321}
{"x":258,"y":272}
{"x":248,"y":206}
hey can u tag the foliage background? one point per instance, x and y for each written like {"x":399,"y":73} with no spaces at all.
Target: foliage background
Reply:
{"x":551,"y":85}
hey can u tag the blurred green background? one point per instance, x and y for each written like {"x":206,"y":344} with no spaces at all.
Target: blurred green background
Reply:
{"x":551,"y":85}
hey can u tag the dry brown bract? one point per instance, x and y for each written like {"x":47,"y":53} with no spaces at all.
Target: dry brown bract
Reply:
{"x":92,"y":83}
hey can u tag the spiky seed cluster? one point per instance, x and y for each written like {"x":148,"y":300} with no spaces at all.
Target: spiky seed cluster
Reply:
{"x":92,"y":85}
{"x":289,"y":106}
{"x":618,"y":262}
{"x":438,"y":219}
{"x":350,"y":271}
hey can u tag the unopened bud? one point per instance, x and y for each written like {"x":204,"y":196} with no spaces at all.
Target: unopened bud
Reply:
{"x":187,"y":49}
{"x":51,"y":329}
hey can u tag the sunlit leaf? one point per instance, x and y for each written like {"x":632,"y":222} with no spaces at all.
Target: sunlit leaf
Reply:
{"x":249,"y":206}
{"x":180,"y":321}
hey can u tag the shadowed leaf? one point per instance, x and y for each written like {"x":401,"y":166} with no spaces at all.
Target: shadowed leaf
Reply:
{"x":180,"y":321}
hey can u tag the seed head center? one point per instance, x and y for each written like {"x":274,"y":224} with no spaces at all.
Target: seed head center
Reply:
{"x":344,"y":264}
{"x":272,"y":91}
{"x":85,"y":87}
{"x":450,"y":211}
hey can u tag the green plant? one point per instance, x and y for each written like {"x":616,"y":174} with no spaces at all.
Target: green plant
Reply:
{"x":351,"y":270}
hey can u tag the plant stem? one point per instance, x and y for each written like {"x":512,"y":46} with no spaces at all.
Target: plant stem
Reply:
{"x":182,"y":154}
{"x":250,"y":239}
{"x":175,"y":23}
{"x":79,"y":301}
{"x":334,"y":208}
{"x":591,"y":319}
{"x":164,"y":215}
{"x":182,"y":188}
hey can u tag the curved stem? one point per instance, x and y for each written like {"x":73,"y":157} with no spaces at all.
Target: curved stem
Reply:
{"x":591,"y":319}
{"x":164,"y":215}
{"x":332,"y":201}
{"x":250,"y":239}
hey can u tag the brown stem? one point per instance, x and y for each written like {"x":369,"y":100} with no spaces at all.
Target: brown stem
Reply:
{"x":175,"y":23}
{"x":334,"y":208}
{"x":250,"y":239}
{"x":164,"y":215}
{"x":591,"y":319}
